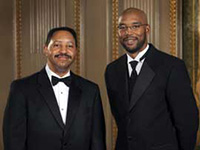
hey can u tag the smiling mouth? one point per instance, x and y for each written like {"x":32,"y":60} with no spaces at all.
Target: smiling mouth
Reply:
{"x":130,"y":41}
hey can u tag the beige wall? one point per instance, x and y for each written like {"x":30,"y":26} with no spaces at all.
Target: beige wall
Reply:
{"x":96,"y":52}
{"x":96,"y":47}
{"x":6,"y":55}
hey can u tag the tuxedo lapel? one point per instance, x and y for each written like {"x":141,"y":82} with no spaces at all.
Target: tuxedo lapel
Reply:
{"x":47,"y":92}
{"x":73,"y":102}
{"x":147,"y":73}
{"x":144,"y":79}
{"x":122,"y":81}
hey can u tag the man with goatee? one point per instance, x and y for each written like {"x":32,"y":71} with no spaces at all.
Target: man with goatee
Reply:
{"x":150,"y":92}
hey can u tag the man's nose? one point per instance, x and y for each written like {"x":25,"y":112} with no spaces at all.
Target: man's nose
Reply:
{"x":63,"y":49}
{"x":129,"y":31}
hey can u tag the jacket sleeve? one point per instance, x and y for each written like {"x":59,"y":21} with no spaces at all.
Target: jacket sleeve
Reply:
{"x":14,"y":123}
{"x":182,"y":106}
{"x":98,"y":125}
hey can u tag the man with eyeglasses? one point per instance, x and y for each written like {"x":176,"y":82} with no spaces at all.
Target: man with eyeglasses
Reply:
{"x":149,"y":92}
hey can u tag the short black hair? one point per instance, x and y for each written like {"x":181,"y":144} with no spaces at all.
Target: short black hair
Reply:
{"x":53,"y":30}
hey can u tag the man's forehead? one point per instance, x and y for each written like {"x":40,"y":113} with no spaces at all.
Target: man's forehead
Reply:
{"x":62,"y":34}
{"x":130,"y":20}
{"x":131,"y":23}
{"x":67,"y":41}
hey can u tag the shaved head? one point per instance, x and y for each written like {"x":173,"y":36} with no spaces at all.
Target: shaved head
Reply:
{"x":133,"y":29}
{"x":135,"y":11}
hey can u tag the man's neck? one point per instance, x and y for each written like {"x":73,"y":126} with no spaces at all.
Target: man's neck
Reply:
{"x":134,"y":55}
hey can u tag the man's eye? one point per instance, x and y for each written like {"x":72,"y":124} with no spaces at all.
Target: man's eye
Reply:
{"x":122,"y":28}
{"x":70,"y":46}
{"x":56,"y":45}
{"x":135,"y":26}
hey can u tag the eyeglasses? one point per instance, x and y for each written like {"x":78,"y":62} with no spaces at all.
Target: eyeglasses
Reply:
{"x":134,"y":27}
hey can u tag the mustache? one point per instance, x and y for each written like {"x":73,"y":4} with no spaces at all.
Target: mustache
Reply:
{"x":63,"y":54}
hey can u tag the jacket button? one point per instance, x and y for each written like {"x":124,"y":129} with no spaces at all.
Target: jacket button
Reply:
{"x":130,"y":138}
{"x":65,"y":144}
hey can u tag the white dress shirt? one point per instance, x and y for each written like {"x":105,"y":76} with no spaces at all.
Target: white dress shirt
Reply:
{"x":137,"y":58}
{"x":61,"y":92}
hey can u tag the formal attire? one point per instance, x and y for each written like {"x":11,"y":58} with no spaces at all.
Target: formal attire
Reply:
{"x":161,"y":112}
{"x":37,"y":117}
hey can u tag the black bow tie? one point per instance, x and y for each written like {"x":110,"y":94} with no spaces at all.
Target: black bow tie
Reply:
{"x":66,"y":80}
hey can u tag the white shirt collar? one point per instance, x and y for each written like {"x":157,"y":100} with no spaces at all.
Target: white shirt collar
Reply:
{"x":51,"y":73}
{"x":140,"y":54}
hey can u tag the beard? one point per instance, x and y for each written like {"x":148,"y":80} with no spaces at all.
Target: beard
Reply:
{"x":135,"y":49}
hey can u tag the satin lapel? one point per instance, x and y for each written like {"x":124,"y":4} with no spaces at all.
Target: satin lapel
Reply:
{"x":144,"y":79}
{"x":122,"y":80}
{"x":74,"y":101}
{"x":47,"y":92}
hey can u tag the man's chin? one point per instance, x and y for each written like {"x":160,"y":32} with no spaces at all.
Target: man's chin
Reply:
{"x":63,"y":67}
{"x":131,"y":50}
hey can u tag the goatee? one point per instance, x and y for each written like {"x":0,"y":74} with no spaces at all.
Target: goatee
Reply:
{"x":138,"y":46}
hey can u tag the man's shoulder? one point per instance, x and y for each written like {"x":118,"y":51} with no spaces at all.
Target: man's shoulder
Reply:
{"x":164,"y":56}
{"x":85,"y":82}
{"x":117,"y":62}
{"x":27,"y":80}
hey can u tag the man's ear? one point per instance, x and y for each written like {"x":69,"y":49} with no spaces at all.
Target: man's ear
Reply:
{"x":45,"y":50}
{"x":148,"y":29}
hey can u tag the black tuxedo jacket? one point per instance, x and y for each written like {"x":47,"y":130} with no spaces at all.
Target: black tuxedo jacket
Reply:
{"x":32,"y":119}
{"x":162,"y":112}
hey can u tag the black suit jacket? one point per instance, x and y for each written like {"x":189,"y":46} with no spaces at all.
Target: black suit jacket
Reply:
{"x":32,"y":120}
{"x":162,"y":112}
